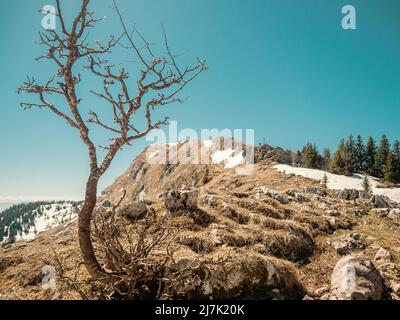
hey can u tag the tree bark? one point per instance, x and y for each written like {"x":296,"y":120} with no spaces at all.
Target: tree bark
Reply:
{"x":85,"y":241}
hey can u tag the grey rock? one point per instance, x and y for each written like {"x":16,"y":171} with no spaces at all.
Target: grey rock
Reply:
{"x":317,"y":191}
{"x":273,"y":194}
{"x":356,"y":278}
{"x":364,"y":194}
{"x":382,"y":256}
{"x":394,"y":215}
{"x":348,"y":243}
{"x":383,"y":213}
{"x":390,"y":271}
{"x":134,"y":211}
{"x":395,"y":286}
{"x":381,"y":202}
{"x":178,"y":200}
{"x":297,"y":195}
{"x":349,"y":194}
{"x":106,"y":203}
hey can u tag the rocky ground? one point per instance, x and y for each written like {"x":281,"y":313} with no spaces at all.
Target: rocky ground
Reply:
{"x":285,"y":236}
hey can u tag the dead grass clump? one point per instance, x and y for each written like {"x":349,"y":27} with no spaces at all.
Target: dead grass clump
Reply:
{"x":197,"y":243}
{"x":261,"y":208}
{"x":318,"y":223}
{"x":248,"y":275}
{"x":30,"y":277}
{"x":7,"y":262}
{"x":295,"y":245}
{"x":239,"y":217}
{"x":233,"y":240}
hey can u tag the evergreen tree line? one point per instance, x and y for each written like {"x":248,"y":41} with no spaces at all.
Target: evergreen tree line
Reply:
{"x":355,"y":156}
{"x":21,"y":217}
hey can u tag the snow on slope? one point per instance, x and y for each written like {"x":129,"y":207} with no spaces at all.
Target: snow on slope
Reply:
{"x":230,"y":158}
{"x":339,"y":182}
{"x":45,"y":217}
{"x":52,"y":216}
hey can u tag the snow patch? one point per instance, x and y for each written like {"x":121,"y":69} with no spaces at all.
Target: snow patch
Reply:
{"x":152,"y":155}
{"x":235,"y":161}
{"x":339,"y":182}
{"x":220,"y":156}
{"x":46,"y":218}
{"x":227,"y":156}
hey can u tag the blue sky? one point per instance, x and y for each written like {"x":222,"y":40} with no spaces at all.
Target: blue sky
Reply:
{"x":284,"y":68}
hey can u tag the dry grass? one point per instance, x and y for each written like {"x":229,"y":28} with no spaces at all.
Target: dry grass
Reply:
{"x":269,"y":245}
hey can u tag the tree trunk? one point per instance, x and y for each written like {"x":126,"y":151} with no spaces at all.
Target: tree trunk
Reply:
{"x":85,"y":241}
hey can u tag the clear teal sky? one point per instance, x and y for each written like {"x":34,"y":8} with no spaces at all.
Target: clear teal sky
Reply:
{"x":285,"y":68}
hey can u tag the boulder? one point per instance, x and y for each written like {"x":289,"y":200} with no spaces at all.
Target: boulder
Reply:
{"x":179,"y":200}
{"x":356,"y":278}
{"x":349,"y":194}
{"x":383,"y":213}
{"x":106,"y":203}
{"x":365,"y":194}
{"x":394,"y":215}
{"x":272,"y":194}
{"x":382,"y":256}
{"x":390,"y":272}
{"x":395,"y":286}
{"x":348,"y":243}
{"x":282,"y":199}
{"x":134,"y":211}
{"x":317,"y":191}
{"x":297,"y":195}
{"x":381,"y":202}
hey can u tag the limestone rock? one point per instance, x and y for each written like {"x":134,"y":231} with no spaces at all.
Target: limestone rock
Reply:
{"x":348,"y":243}
{"x":133,"y":211}
{"x":272,"y":194}
{"x":178,"y":200}
{"x":381,"y":202}
{"x":297,"y":195}
{"x":382,"y":256}
{"x":317,"y":191}
{"x":349,"y":194}
{"x":106,"y":203}
{"x":394,"y":215}
{"x":356,"y":278}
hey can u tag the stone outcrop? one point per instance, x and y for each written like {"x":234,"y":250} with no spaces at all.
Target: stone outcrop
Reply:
{"x":382,"y":256}
{"x":381,"y":202}
{"x":394,"y":215}
{"x":134,"y":210}
{"x":356,"y":278}
{"x":349,"y":243}
{"x":349,"y":194}
{"x":179,"y":200}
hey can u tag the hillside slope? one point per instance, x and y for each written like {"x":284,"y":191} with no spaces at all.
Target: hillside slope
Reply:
{"x":283,"y":234}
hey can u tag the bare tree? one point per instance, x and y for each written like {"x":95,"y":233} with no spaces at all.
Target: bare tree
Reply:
{"x":159,"y":82}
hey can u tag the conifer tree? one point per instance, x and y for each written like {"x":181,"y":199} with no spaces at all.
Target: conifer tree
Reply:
{"x":324,"y":182}
{"x":396,"y":161}
{"x":389,"y":171}
{"x":392,"y":166}
{"x":339,"y":159}
{"x":360,"y":155}
{"x":350,"y":156}
{"x":310,"y":157}
{"x":382,"y":156}
{"x":296,"y":161}
{"x":367,"y":186}
{"x":326,"y":159}
{"x":370,"y":157}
